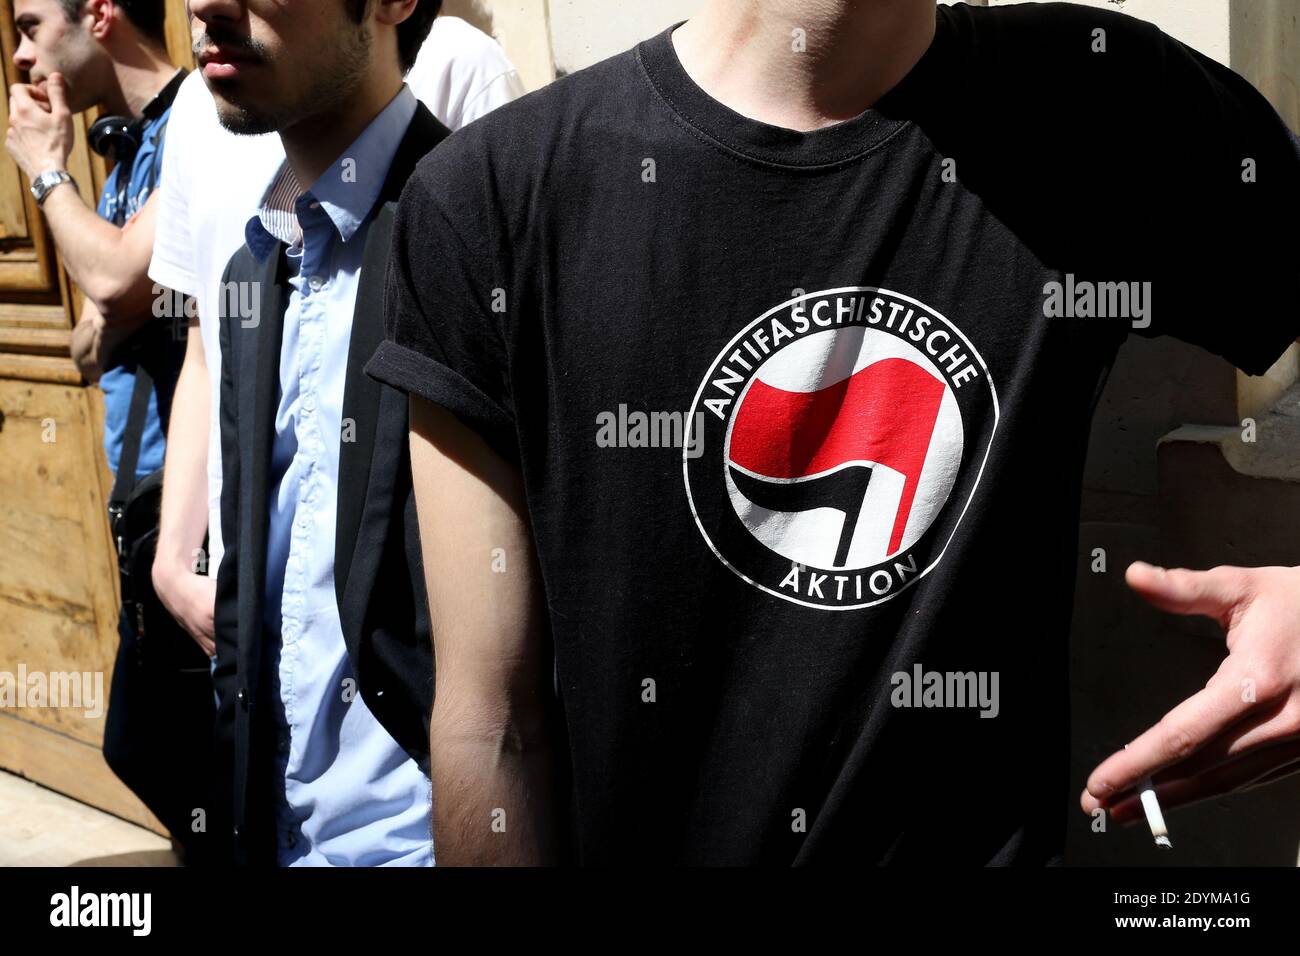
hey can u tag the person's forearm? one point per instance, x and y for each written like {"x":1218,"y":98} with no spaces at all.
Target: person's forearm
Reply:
{"x":86,"y":343}
{"x":491,"y":756}
{"x":494,"y":790}
{"x":184,"y":514}
{"x":181,"y":580}
{"x":100,"y":257}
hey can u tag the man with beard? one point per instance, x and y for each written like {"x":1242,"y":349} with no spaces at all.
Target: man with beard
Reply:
{"x":322,"y":643}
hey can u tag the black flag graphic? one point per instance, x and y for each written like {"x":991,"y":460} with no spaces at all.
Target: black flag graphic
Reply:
{"x":844,"y":490}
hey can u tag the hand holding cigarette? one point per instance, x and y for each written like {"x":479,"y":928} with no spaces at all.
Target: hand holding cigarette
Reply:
{"x":1243,"y":729}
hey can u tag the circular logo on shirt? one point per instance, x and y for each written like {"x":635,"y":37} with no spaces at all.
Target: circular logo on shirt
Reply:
{"x":841,"y":436}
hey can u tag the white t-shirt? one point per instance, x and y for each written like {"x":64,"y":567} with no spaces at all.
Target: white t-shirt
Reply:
{"x":212,"y":181}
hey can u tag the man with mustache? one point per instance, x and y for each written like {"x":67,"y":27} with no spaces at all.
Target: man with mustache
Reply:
{"x":215,"y":178}
{"x":828,"y":229}
{"x":323,"y":660}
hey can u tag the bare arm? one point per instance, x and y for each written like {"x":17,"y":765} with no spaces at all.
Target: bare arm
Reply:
{"x":89,"y":345}
{"x":108,"y":264}
{"x":491,"y":749}
{"x":187,"y":594}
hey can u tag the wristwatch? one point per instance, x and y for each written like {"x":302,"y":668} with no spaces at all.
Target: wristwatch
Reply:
{"x":45,"y":182}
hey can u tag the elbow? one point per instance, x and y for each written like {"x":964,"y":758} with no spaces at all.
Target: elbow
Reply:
{"x":116,"y":298}
{"x":503,"y":723}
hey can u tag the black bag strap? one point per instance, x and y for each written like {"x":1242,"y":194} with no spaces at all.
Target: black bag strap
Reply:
{"x":132,"y":437}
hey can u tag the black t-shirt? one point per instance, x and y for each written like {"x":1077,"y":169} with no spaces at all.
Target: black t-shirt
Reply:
{"x":802,"y":419}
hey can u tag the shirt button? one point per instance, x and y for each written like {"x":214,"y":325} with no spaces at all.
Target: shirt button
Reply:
{"x":316,"y":282}
{"x":309,"y":402}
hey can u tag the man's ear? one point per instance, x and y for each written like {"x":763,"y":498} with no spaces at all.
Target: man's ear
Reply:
{"x":393,"y":12}
{"x":98,"y":17}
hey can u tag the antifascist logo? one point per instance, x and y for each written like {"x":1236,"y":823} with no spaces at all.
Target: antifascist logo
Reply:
{"x":844,"y":435}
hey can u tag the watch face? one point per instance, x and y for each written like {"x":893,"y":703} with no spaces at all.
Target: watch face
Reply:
{"x":45,"y":182}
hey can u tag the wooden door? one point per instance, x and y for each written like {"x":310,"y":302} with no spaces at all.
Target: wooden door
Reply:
{"x":58,"y":577}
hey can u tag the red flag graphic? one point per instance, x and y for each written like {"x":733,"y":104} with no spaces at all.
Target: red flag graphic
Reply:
{"x":884,"y":413}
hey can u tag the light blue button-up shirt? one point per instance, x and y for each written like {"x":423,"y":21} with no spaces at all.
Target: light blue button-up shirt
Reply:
{"x":350,"y":796}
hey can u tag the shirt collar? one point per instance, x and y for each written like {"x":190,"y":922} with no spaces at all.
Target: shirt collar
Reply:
{"x":346,"y":192}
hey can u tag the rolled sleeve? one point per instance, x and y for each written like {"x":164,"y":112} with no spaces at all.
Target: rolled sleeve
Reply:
{"x":443,"y":340}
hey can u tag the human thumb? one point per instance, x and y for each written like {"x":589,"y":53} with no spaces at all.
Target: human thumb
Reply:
{"x":56,"y":90}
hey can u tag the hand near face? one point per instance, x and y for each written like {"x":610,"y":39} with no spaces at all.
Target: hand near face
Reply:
{"x":40,"y":132}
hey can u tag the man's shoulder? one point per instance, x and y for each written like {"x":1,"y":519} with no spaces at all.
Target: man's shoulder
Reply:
{"x":192,"y":105}
{"x":238,"y":300}
{"x":239,"y":280}
{"x":521,"y":138}
{"x":1033,"y":42}
{"x":455,"y":62}
{"x":1032,"y":72}
{"x":553,"y":108}
{"x":1030,"y":19}
{"x":451,"y":38}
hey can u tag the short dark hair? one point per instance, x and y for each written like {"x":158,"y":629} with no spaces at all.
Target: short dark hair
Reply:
{"x":411,"y":32}
{"x":147,"y":16}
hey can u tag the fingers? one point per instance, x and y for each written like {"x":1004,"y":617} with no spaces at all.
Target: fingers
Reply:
{"x":1178,"y":735}
{"x":1256,"y":732}
{"x":1213,"y":593}
{"x":20,"y":100}
{"x":208,"y":596}
{"x":57,"y":93}
{"x":201,"y":629}
{"x":28,"y":111}
{"x":1261,"y":766}
{"x":1260,"y":729}
{"x":207,"y":630}
{"x":24,"y":98}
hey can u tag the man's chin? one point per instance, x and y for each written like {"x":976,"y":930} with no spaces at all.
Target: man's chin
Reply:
{"x":240,"y":118}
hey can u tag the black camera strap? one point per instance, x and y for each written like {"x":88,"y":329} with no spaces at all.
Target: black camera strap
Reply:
{"x":129,"y":459}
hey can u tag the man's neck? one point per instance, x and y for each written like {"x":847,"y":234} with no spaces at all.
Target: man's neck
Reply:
{"x":314,"y":143}
{"x":140,"y":71}
{"x":803,"y":64}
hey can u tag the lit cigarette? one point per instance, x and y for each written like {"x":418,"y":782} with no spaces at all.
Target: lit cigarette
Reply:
{"x":1155,"y":819}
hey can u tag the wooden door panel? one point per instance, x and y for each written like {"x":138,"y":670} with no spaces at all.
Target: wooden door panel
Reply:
{"x":27,"y":263}
{"x":58,"y":599}
{"x":58,"y":574}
